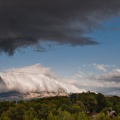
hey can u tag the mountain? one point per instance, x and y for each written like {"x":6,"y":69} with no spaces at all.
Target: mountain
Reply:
{"x":14,"y":95}
{"x":32,"y":82}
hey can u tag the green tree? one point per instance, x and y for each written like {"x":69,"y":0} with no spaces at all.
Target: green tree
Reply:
{"x":101,"y":116}
{"x":52,"y":117}
{"x":65,"y":115}
{"x":117,"y":108}
{"x":16,"y":113}
{"x":73,"y":97}
{"x":101,"y":100}
{"x":81,"y":105}
{"x":44,"y":111}
{"x":4,"y":116}
{"x":91,"y":103}
{"x":81,"y":116}
{"x":30,"y":115}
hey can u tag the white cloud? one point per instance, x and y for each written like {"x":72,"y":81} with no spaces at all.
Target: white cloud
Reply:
{"x":113,"y":65}
{"x":100,"y":67}
{"x":85,"y":65}
{"x":106,"y":83}
{"x":113,"y":76}
{"x":33,"y":79}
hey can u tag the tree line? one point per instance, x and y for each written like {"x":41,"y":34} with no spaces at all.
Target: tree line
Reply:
{"x":82,"y":106}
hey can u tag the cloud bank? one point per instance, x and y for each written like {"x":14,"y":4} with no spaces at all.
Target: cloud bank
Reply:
{"x":107,"y":82}
{"x":33,"y":79}
{"x":38,"y":79}
{"x":27,"y":22}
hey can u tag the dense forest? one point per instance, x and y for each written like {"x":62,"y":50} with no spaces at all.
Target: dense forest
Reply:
{"x":82,"y":106}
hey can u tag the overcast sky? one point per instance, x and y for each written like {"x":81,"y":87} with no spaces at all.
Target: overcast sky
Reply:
{"x":79,"y":40}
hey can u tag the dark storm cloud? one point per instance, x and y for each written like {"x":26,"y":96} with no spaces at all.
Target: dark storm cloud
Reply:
{"x":29,"y":22}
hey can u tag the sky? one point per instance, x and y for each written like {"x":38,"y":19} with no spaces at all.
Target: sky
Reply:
{"x":78,"y":40}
